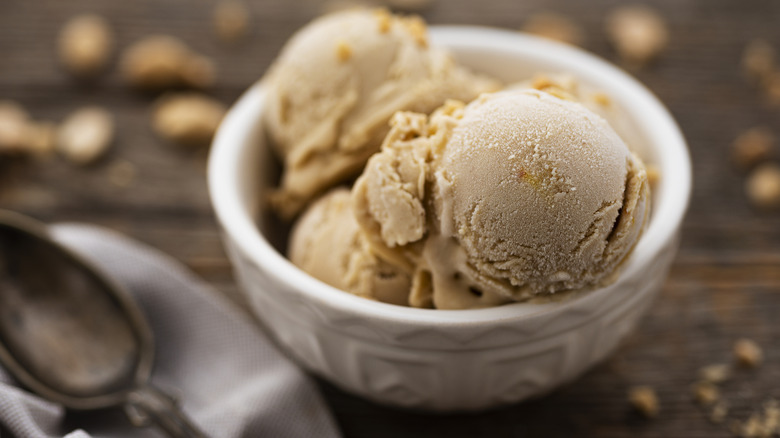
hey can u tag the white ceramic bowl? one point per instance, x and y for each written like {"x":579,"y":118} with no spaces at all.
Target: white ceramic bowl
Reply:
{"x":439,"y":359}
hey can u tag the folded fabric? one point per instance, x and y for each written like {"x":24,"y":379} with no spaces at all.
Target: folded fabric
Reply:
{"x":227,"y":375}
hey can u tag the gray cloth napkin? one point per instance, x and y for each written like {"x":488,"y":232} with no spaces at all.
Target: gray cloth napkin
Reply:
{"x":230,"y":379}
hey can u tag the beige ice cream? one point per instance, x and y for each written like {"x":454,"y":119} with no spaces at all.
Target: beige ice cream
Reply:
{"x":336,"y":84}
{"x":566,"y":86}
{"x":327,"y":243}
{"x":518,"y":195}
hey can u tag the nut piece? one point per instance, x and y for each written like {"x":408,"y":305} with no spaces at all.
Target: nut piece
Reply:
{"x":602,"y":99}
{"x":343,"y":51}
{"x":384,"y":20}
{"x":763,"y":187}
{"x":20,"y":135}
{"x":761,"y":424}
{"x":13,"y":127}
{"x":747,"y":352}
{"x":561,"y":87}
{"x":638,"y":33}
{"x":187,"y":118}
{"x":752,"y":146}
{"x":85,"y":135}
{"x":160,"y":62}
{"x":417,"y":29}
{"x":772,"y":416}
{"x":644,"y":400}
{"x":85,"y":44}
{"x":231,"y":20}
{"x":717,"y":373}
{"x":555,"y":27}
{"x":752,"y":427}
{"x":758,"y":60}
{"x":705,"y":393}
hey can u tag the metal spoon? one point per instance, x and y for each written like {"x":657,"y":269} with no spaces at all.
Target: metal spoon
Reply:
{"x":73,"y":336}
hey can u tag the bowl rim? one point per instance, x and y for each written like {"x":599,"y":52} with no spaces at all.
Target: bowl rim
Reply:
{"x":241,"y":228}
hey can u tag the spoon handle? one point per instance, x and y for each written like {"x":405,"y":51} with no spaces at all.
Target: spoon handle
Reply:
{"x":147,"y":405}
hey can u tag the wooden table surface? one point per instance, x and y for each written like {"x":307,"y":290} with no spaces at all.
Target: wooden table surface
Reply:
{"x":725,"y":283}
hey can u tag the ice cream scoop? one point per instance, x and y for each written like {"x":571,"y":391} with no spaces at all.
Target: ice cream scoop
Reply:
{"x":568,"y":87}
{"x":327,"y":243}
{"x":519,"y":194}
{"x":336,"y":84}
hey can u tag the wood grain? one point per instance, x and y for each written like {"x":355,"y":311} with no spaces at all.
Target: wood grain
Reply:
{"x":724,"y":285}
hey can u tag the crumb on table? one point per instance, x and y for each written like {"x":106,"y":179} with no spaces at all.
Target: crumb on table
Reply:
{"x":644,"y":400}
{"x":716,"y":373}
{"x":748,"y":353}
{"x":752,"y":147}
{"x":638,"y":33}
{"x":706,"y":393}
{"x":763,"y":191}
{"x":758,"y":60}
{"x":231,"y":20}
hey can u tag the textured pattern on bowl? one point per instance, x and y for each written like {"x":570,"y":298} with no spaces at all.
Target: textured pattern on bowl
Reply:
{"x":452,"y":360}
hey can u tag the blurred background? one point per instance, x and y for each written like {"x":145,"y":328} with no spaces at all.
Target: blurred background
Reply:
{"x":712,"y":64}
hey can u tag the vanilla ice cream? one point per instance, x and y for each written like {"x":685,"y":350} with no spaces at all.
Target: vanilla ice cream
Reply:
{"x":519,"y":194}
{"x":336,"y":84}
{"x":327,"y":243}
{"x":568,"y":87}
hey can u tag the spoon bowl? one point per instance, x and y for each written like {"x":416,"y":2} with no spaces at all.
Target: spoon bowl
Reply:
{"x":66,"y":331}
{"x":71,"y":334}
